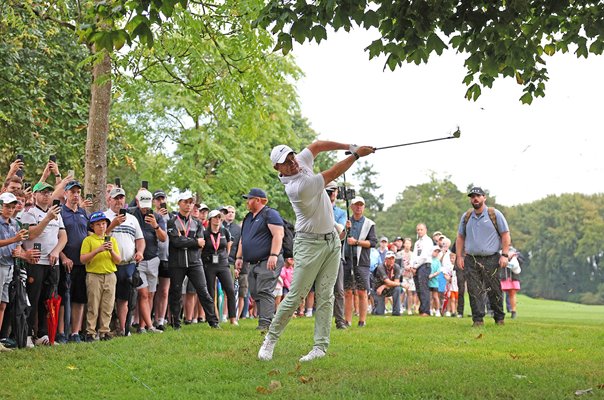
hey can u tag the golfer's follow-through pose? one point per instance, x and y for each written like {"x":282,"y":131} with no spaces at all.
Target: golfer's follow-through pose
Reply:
{"x":316,"y":244}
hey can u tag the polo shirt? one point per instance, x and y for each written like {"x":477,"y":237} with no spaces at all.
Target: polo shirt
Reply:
{"x":481,"y":238}
{"x":8,"y":230}
{"x":381,"y":274}
{"x":102,"y":262}
{"x":49,"y":238}
{"x":256,"y":238}
{"x":126,"y":234}
{"x":76,"y":226}
{"x":339,"y":216}
{"x":307,"y":195}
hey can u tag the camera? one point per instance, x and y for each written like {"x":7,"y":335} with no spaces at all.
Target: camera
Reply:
{"x":345,"y":193}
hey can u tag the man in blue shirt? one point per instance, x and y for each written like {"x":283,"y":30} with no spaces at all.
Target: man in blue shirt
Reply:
{"x":338,"y":290}
{"x":479,"y":241}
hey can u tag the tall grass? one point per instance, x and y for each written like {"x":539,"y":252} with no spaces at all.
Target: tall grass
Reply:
{"x":552,"y":350}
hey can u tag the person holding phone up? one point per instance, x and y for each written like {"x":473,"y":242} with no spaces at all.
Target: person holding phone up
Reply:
{"x":46,"y":231}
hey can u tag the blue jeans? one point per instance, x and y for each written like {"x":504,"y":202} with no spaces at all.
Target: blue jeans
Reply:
{"x":380,"y":301}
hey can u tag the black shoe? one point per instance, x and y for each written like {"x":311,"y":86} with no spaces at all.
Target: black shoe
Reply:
{"x":513,"y":314}
{"x":361,"y":324}
{"x":106,"y":337}
{"x":188,"y":322}
{"x":478,"y":324}
{"x":342,"y":325}
{"x":201,"y":320}
{"x":499,"y":322}
{"x":215,"y":326}
{"x":161,"y":327}
{"x":90,"y":338}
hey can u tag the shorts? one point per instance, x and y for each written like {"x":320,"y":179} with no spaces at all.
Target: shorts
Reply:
{"x":149,"y":271}
{"x":409,"y":283}
{"x":278,"y":291}
{"x":78,"y":285}
{"x":6,"y":277}
{"x":164,"y":271}
{"x":189,"y":288}
{"x":243,"y":285}
{"x":360,"y":280}
{"x":434,"y":289}
{"x":124,"y":277}
{"x":454,"y":295}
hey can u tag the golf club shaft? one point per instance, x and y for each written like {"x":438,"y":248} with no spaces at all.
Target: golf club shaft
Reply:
{"x":455,"y":136}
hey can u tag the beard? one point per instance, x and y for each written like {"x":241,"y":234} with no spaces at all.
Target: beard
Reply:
{"x":477,"y":205}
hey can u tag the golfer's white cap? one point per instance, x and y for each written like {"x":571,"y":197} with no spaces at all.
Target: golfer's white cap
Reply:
{"x":280,"y":153}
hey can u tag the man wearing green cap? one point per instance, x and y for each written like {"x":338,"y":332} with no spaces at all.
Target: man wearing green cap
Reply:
{"x":46,"y":229}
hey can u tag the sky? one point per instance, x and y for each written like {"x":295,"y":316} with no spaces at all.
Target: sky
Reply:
{"x":518,"y":153}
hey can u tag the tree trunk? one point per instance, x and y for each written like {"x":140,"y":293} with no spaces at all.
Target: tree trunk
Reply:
{"x":98,"y":130}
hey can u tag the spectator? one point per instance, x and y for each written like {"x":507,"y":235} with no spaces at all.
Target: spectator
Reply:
{"x":100,"y":254}
{"x":435,"y":271}
{"x":478,"y":244}
{"x":240,"y":276}
{"x":388,"y":284}
{"x":75,"y":220}
{"x":184,"y":258}
{"x":126,"y":230}
{"x":46,"y":230}
{"x":510,"y":281}
{"x":421,"y":262}
{"x":154,"y":232}
{"x":406,"y":255}
{"x":382,"y":250}
{"x":161,"y":294}
{"x":215,"y":257}
{"x":357,"y":249}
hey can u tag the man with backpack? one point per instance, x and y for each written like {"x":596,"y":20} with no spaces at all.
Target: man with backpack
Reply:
{"x":483,"y":232}
{"x":317,"y":242}
{"x":260,"y":253}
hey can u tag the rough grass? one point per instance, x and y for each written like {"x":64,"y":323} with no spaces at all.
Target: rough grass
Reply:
{"x":549,"y":352}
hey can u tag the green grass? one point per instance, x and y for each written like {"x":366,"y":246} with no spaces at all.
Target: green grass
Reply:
{"x":549,"y":352}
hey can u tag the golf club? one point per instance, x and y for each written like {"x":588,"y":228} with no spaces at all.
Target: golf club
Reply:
{"x":454,"y":135}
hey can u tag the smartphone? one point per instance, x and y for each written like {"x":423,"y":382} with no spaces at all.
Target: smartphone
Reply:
{"x":20,"y":157}
{"x":89,"y":196}
{"x":56,"y":202}
{"x":107,"y":239}
{"x":20,"y":173}
{"x":38,"y":246}
{"x":123,"y":211}
{"x":26,"y":185}
{"x":118,"y":182}
{"x":25,"y":226}
{"x":145,"y":184}
{"x":163,"y":205}
{"x":52,"y":158}
{"x":71,"y":172}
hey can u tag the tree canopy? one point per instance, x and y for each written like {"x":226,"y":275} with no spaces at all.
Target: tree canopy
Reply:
{"x":507,"y":38}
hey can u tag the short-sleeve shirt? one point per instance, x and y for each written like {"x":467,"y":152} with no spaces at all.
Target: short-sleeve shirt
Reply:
{"x":102,"y":262}
{"x":49,"y":238}
{"x":306,"y":192}
{"x":208,"y":250}
{"x":8,"y":230}
{"x":126,"y":234}
{"x":481,"y":237}
{"x":76,"y":226}
{"x":149,"y":233}
{"x":381,"y":274}
{"x":256,"y":237}
{"x":165,"y":245}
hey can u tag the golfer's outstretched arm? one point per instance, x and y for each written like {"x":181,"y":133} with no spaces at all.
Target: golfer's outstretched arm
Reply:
{"x":324,"y":145}
{"x":338,"y":169}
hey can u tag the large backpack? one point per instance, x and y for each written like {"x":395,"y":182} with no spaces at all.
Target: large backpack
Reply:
{"x":492,"y":217}
{"x":287,"y":245}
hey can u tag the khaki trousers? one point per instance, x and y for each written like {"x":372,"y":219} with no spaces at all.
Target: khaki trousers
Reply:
{"x":101,"y":299}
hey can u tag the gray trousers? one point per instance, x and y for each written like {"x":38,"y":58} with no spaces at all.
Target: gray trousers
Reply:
{"x":338,"y":292}
{"x":262,"y":282}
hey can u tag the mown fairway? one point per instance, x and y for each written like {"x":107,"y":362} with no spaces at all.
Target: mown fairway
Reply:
{"x":552,"y":350}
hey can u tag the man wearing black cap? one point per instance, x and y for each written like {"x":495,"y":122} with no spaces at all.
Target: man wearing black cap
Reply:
{"x":482,"y":233}
{"x":260,"y":254}
{"x":161,"y":295}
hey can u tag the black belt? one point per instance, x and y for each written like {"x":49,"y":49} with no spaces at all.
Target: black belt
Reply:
{"x":257,"y":262}
{"x":316,"y":236}
{"x":481,"y":256}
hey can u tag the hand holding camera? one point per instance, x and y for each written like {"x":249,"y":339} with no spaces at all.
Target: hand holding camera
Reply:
{"x":23,"y":234}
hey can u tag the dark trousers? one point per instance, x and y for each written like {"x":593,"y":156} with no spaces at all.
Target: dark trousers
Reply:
{"x":380,"y":301}
{"x":226,"y":281}
{"x":461,"y":283}
{"x":198,"y":280}
{"x":482,"y":276}
{"x":338,"y":292}
{"x":262,"y":283}
{"x":422,"y":289}
{"x":41,"y":281}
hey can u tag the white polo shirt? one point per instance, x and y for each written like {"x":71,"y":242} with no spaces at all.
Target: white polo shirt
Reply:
{"x":126,"y":234}
{"x":49,"y":238}
{"x":306,"y":192}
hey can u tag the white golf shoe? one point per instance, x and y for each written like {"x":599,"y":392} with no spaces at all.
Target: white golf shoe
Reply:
{"x":313,"y":354}
{"x":266,"y":350}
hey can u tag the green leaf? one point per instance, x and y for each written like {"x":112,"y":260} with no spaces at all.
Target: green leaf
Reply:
{"x":550,"y":49}
{"x":119,"y":38}
{"x":319,"y":33}
{"x":104,"y":41}
{"x":596,"y":47}
{"x":375,"y":48}
{"x":526,"y":98}
{"x":392,"y":61}
{"x":473,"y":92}
{"x":371,"y":19}
{"x":435,"y":43}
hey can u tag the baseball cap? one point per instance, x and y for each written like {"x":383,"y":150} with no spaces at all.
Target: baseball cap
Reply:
{"x":331,"y":186}
{"x":7,"y":198}
{"x":214,"y":213}
{"x":144,"y":198}
{"x":117,"y":192}
{"x":98,"y":216}
{"x":436,"y":248}
{"x":398,"y":238}
{"x":390,"y":254}
{"x":159,"y":193}
{"x":437,"y":233}
{"x":280,"y":153}
{"x":202,"y":207}
{"x":223,"y":208}
{"x":255,"y":192}
{"x":383,"y":239}
{"x":38,"y":187}
{"x":186,"y":195}
{"x":71,"y":184}
{"x":358,"y":199}
{"x":476,"y":190}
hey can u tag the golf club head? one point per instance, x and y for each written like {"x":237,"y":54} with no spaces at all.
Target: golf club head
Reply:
{"x":457,"y":133}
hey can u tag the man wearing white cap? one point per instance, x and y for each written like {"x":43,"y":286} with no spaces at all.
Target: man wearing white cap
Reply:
{"x":388,"y":284}
{"x":316,"y":244}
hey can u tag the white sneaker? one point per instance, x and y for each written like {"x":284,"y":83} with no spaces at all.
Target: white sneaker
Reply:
{"x":432,"y":312}
{"x":266,"y":350}
{"x":448,"y":314}
{"x":409,"y":312}
{"x":437,"y":314}
{"x":42,"y":341}
{"x":313,"y":354}
{"x":308,"y":313}
{"x":30,"y":343}
{"x":153,"y":329}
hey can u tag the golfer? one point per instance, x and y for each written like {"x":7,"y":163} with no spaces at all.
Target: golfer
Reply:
{"x":316,"y":244}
